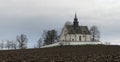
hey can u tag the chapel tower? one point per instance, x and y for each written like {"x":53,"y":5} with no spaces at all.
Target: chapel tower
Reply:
{"x":75,"y":23}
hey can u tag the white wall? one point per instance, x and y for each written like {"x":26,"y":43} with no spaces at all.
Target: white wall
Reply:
{"x":71,"y":43}
{"x":73,"y":37}
{"x":63,"y":34}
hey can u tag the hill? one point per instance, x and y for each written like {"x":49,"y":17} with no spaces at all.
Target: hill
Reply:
{"x":84,"y":53}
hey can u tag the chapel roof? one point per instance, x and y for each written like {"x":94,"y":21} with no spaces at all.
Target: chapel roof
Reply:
{"x":77,"y":30}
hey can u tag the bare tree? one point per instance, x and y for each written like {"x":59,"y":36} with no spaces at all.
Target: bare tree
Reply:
{"x":39,"y":43}
{"x":13,"y":44}
{"x":95,"y":33}
{"x":2,"y":44}
{"x":68,"y":23}
{"x":22,"y":40}
{"x":8,"y":44}
{"x":50,"y":37}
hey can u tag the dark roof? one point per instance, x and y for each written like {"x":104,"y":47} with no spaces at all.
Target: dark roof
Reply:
{"x":77,"y":30}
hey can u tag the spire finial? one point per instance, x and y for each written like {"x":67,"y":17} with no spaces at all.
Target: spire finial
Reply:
{"x":75,"y":15}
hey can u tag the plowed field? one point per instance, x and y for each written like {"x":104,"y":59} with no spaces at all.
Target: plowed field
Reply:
{"x":85,"y":53}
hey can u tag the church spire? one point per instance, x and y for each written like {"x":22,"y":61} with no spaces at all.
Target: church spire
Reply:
{"x":75,"y":16}
{"x":75,"y":23}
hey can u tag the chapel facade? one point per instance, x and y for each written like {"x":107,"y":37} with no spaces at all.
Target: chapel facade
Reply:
{"x":75,"y":32}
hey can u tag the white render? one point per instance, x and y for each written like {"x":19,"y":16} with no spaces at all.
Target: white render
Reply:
{"x":73,"y":37}
{"x":71,"y":43}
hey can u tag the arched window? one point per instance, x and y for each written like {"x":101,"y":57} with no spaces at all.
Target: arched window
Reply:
{"x":79,"y":38}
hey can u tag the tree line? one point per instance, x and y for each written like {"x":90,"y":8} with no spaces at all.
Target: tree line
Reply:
{"x":19,"y":43}
{"x":48,"y":37}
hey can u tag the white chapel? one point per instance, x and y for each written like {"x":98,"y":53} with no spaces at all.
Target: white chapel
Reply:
{"x":75,"y":32}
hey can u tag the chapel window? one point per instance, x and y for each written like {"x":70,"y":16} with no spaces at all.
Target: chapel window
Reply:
{"x":79,"y":38}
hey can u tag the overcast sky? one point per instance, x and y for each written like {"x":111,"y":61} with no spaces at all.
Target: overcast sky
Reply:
{"x":32,"y":17}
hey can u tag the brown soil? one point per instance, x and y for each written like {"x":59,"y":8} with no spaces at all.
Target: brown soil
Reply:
{"x":88,"y":53}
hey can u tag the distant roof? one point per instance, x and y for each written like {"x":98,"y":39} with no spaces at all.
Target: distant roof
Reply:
{"x":77,"y":30}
